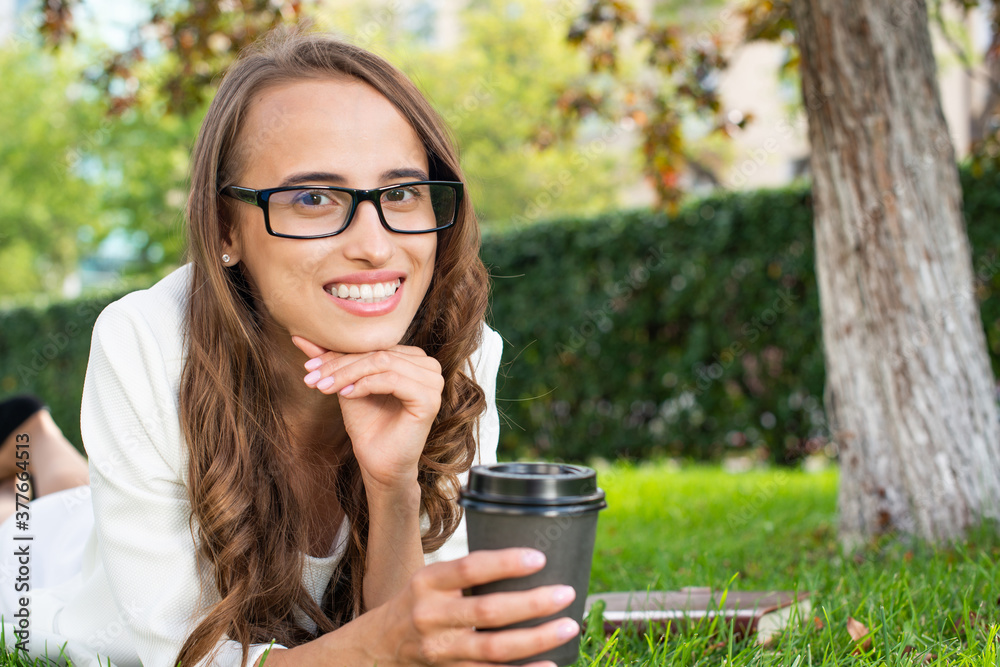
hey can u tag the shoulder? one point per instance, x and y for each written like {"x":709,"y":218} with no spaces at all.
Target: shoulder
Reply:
{"x":162,"y":304}
{"x":152,"y":318}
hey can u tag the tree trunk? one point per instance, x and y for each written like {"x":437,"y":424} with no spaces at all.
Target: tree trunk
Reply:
{"x":910,"y":393}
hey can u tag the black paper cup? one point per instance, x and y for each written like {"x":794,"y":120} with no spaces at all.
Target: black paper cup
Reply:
{"x":550,"y":507}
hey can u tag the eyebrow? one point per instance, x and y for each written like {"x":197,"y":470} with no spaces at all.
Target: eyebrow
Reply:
{"x":310,"y":177}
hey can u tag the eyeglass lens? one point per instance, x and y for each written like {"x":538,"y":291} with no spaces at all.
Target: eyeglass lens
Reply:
{"x":316,"y":211}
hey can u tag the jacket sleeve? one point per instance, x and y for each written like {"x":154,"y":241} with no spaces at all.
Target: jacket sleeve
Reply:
{"x":131,"y":430}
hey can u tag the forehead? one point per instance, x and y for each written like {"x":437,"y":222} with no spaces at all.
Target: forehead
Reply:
{"x":343,"y":126}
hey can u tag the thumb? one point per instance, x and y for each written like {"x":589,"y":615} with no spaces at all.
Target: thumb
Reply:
{"x":311,"y":349}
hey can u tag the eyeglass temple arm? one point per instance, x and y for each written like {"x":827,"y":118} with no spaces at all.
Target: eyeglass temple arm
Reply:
{"x":243,"y":194}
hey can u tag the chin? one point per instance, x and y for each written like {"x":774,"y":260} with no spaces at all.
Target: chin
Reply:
{"x":361,"y":344}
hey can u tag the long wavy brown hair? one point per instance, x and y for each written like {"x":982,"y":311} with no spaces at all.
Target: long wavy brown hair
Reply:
{"x":248,"y":525}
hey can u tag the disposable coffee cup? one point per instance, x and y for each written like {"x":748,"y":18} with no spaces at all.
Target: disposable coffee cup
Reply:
{"x":550,"y":507}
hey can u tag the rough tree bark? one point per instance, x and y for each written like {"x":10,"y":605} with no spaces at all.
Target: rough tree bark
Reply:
{"x":910,"y":393}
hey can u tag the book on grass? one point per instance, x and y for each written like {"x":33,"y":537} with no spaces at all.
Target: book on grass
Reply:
{"x":762,"y":612}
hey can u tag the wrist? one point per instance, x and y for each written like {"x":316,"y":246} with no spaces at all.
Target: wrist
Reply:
{"x":397,"y":493}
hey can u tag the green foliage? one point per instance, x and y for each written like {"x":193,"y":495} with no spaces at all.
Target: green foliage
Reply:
{"x":635,"y":333}
{"x":72,"y":173}
{"x":497,"y":88}
{"x":45,"y":352}
{"x":982,"y":202}
{"x":144,"y":164}
{"x":46,"y":196}
{"x":627,"y":334}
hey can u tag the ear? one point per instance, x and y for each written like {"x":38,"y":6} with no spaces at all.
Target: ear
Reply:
{"x":232,"y":245}
{"x":232,"y":248}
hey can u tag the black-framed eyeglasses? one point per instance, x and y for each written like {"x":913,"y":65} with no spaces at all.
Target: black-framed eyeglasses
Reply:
{"x":317,"y":211}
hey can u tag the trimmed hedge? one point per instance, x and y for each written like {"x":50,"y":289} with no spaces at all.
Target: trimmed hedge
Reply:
{"x":627,"y":334}
{"x":635,"y":334}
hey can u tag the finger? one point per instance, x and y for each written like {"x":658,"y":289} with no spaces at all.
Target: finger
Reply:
{"x":496,"y":610}
{"x":476,"y":663}
{"x":425,"y":371}
{"x":413,"y":393}
{"x":468,"y":663}
{"x":332,"y":364}
{"x":411,"y":350}
{"x":481,"y":567}
{"x":502,"y":646}
{"x":311,"y":349}
{"x":381,"y":360}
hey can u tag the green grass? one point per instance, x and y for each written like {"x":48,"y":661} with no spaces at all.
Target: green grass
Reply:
{"x":666,"y":528}
{"x":776,"y":529}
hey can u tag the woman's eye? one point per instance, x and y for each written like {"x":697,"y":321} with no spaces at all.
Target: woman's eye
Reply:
{"x":400,"y":195}
{"x":313,"y":198}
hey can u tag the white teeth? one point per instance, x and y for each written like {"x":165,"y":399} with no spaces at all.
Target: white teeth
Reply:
{"x":365,"y":293}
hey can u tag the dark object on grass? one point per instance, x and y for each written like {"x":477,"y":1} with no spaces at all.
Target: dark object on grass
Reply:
{"x":15,"y":411}
{"x":762,"y":612}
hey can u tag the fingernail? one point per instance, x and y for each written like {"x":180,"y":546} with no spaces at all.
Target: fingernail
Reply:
{"x":567,"y":629}
{"x":563,"y":594}
{"x":347,"y":390}
{"x":325,"y":383}
{"x":312,"y":377}
{"x":313,"y":364}
{"x":532,"y":558}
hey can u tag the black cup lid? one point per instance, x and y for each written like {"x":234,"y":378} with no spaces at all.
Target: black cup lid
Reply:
{"x":533,"y":484}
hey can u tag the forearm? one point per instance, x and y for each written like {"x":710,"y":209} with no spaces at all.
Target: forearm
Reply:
{"x":394,"y":550}
{"x":352,"y":645}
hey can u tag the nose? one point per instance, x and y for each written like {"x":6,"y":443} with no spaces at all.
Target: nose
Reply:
{"x":365,"y":239}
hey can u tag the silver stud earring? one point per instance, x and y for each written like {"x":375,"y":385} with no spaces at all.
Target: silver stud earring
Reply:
{"x":225,"y":259}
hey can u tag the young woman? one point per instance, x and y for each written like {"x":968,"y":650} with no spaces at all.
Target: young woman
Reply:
{"x":277,"y":430}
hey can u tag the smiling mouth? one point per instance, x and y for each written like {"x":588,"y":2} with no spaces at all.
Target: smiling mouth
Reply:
{"x":364,"y":292}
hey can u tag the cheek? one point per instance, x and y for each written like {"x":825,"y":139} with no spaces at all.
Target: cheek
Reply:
{"x":284,"y":275}
{"x":428,"y":255}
